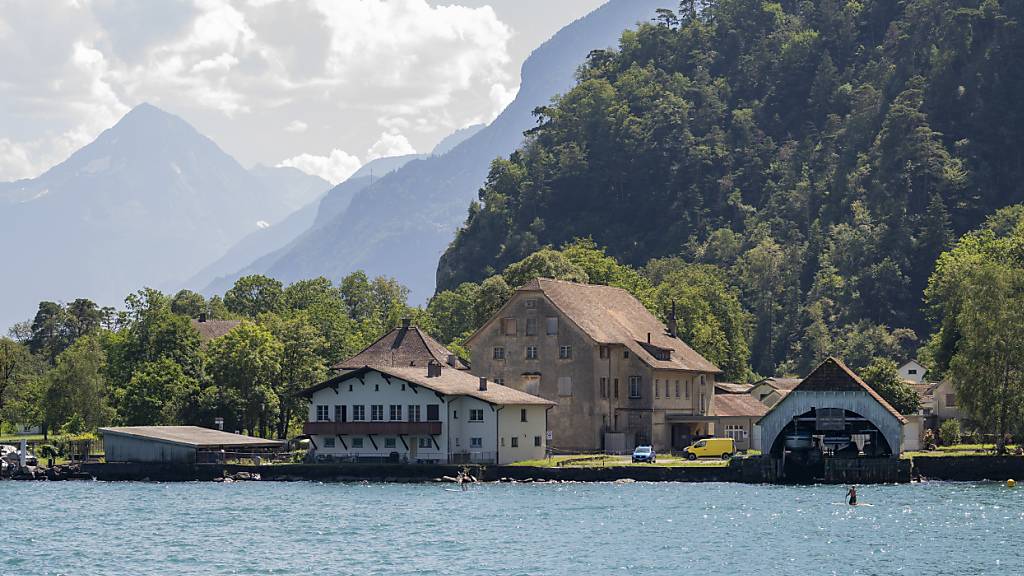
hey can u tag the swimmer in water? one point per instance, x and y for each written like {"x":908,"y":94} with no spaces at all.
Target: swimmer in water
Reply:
{"x":852,"y":495}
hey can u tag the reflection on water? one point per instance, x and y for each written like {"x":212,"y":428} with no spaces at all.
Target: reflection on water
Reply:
{"x":706,"y":529}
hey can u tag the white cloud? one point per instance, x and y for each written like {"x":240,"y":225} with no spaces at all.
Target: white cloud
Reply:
{"x":72,"y":71}
{"x":296,"y":127}
{"x":334,"y":168}
{"x":390,"y":144}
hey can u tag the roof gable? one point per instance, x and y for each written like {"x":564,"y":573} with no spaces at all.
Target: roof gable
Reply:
{"x":403,"y":346}
{"x":834,"y":376}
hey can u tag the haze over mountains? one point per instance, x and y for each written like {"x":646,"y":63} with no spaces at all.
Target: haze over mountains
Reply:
{"x":147,"y":203}
{"x":400,"y":225}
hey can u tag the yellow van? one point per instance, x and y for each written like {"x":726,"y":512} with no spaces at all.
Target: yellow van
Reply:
{"x":722,"y":448}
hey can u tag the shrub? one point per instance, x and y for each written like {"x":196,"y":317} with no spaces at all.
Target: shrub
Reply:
{"x":949,"y":432}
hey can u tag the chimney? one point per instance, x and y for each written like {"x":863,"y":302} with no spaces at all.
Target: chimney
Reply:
{"x":406,"y":322}
{"x":453,"y":360}
{"x":483,"y":384}
{"x":648,"y":337}
{"x":433,"y":369}
{"x":672,"y":321}
{"x":202,"y":317}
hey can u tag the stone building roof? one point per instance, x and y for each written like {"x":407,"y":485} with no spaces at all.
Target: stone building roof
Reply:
{"x":211,"y":329}
{"x":738,"y":405}
{"x":450,"y":382}
{"x":732,"y":388}
{"x":834,"y":376}
{"x":404,"y":346}
{"x":610,"y":315}
{"x":781,"y":384}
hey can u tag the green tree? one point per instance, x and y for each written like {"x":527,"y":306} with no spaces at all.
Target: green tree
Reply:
{"x":245,"y":364}
{"x":76,"y":387}
{"x":18,"y":371}
{"x":301,"y":365}
{"x":253,"y":295}
{"x":188,"y":303}
{"x":545,"y":263}
{"x":455,"y":311}
{"x":884,"y":377}
{"x":157,"y":394}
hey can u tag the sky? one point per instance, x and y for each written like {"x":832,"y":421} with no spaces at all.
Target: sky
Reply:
{"x":321,"y":85}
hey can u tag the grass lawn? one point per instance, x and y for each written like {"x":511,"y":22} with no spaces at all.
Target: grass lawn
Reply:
{"x":959,"y":450}
{"x":16,"y":439}
{"x":606,"y":460}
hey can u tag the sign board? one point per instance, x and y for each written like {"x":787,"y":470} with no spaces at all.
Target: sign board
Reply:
{"x":550,"y":435}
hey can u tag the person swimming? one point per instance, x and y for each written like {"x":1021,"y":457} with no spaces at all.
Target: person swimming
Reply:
{"x":852,"y":495}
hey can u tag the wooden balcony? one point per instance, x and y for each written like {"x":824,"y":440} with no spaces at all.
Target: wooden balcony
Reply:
{"x":366,"y":428}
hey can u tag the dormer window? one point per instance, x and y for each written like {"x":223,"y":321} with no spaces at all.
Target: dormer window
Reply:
{"x":663,"y":354}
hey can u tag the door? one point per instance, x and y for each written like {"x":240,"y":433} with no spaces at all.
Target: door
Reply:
{"x":344,"y":413}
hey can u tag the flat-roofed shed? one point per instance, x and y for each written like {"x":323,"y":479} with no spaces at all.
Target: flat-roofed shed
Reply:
{"x":175,"y":444}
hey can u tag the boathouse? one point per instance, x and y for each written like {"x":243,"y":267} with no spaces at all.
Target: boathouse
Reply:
{"x":831,"y":414}
{"x":177,"y":444}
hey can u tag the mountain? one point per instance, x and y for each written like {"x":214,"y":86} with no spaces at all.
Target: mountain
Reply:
{"x":290,"y":183}
{"x":256,"y":252}
{"x":147,"y":203}
{"x":400,"y":225}
{"x":449,"y":142}
{"x":820,"y":155}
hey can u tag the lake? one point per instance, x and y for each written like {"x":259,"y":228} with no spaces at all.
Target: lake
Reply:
{"x":641,"y":528}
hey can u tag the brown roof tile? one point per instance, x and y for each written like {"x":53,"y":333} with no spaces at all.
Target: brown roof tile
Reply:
{"x":211,"y":329}
{"x":781,"y":383}
{"x":612,"y":315}
{"x":732,"y":388}
{"x":403,"y":346}
{"x":738,"y":405}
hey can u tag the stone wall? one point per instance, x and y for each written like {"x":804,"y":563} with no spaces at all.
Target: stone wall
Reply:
{"x":969,"y":468}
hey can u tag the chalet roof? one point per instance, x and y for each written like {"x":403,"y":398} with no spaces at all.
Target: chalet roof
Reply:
{"x":403,"y":346}
{"x":451,"y":382}
{"x":211,"y":329}
{"x":739,"y":405}
{"x":732,"y":388}
{"x":612,"y":315}
{"x":834,"y":376}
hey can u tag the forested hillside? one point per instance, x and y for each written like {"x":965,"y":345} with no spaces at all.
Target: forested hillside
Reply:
{"x":821,"y":154}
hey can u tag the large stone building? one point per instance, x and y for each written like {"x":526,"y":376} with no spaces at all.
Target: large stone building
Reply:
{"x":620,"y":377}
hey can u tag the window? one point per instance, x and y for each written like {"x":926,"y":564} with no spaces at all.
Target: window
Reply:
{"x":457,"y":443}
{"x":536,"y":440}
{"x":357,"y":442}
{"x":478,"y":443}
{"x":395,"y":413}
{"x":389,"y":443}
{"x":663,"y":354}
{"x":565,"y":352}
{"x":735,"y":431}
{"x":329,"y":442}
{"x":625,"y":353}
{"x":376,"y":412}
{"x":702,"y":381}
{"x":565,"y":385}
{"x":455,"y":414}
{"x":424,"y":442}
{"x":634,"y":387}
{"x":531,"y":326}
{"x":688,"y":390}
{"x":433,"y":412}
{"x":515,"y":442}
{"x":677,"y":388}
{"x":552,"y":325}
{"x":358,"y":412}
{"x":951,"y":400}
{"x":701,"y":402}
{"x":616,"y":387}
{"x":321,"y":413}
{"x":530,"y":303}
{"x":502,"y":441}
{"x":414,"y":413}
{"x":666,"y":388}
{"x":531,"y":352}
{"x":912,"y":371}
{"x":604,"y":387}
{"x":337,"y":413}
{"x":657,"y":388}
{"x":509,"y":326}
{"x":603,"y":352}
{"x":476,"y":415}
{"x":499,"y":353}
{"x":522,"y":414}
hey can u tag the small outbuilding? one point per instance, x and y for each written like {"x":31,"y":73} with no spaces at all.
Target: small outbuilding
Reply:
{"x":176,"y":444}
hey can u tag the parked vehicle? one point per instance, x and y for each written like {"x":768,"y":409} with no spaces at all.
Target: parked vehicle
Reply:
{"x":644,"y":454}
{"x":722,"y":448}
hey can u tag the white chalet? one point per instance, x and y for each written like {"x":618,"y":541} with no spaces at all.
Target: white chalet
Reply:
{"x":428,"y":413}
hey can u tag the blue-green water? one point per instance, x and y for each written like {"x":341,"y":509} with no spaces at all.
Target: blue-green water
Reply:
{"x":704,"y":529}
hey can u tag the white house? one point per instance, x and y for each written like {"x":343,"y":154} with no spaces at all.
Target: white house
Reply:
{"x":428,"y":414}
{"x":913,"y":371}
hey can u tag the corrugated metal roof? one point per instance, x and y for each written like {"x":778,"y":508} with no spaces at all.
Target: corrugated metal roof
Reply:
{"x":194,"y":436}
